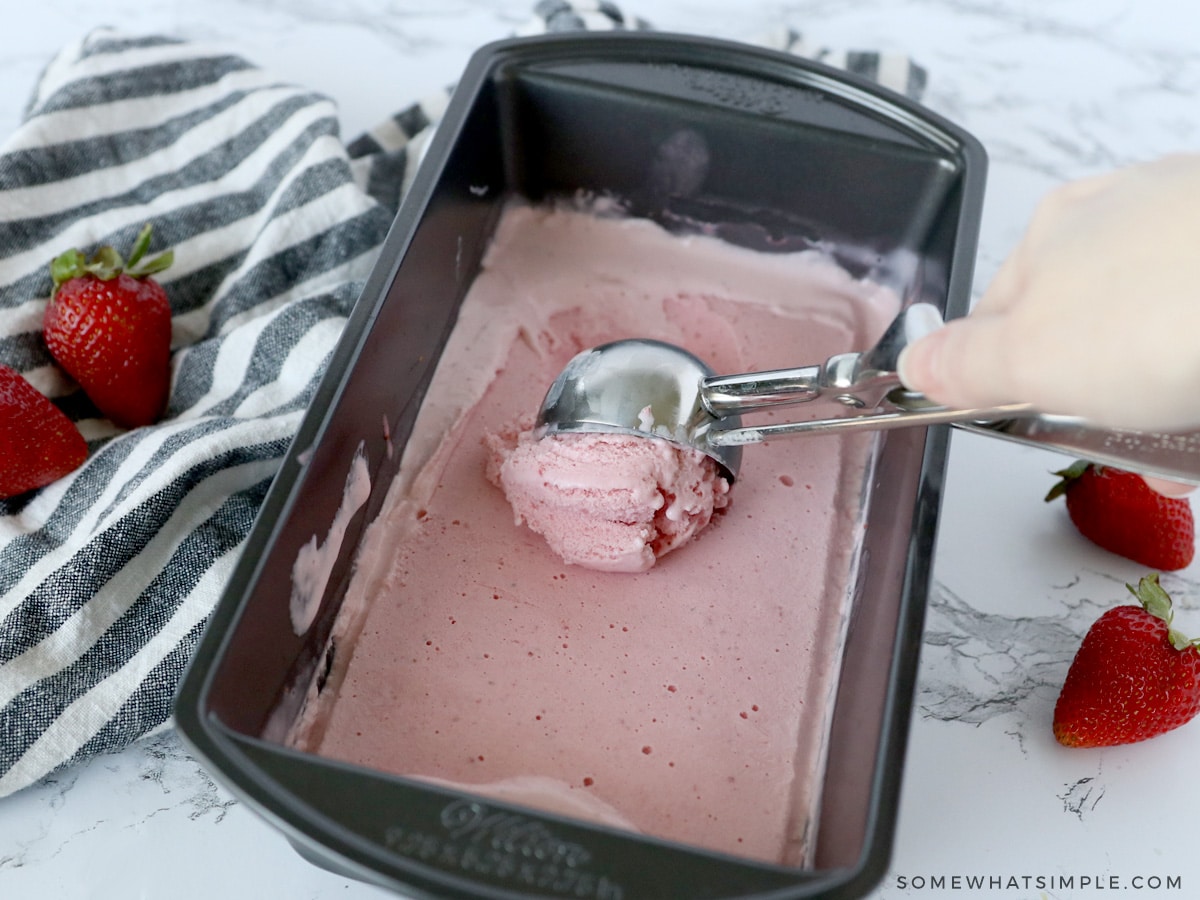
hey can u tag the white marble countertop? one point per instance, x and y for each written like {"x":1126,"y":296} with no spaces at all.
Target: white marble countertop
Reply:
{"x":1055,"y":89}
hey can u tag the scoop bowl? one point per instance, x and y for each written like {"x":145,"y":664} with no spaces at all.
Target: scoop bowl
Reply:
{"x":640,"y":387}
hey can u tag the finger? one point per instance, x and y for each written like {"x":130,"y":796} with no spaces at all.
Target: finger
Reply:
{"x":1173,"y":489}
{"x":1011,"y":279}
{"x":1006,"y":287}
{"x":963,"y":364}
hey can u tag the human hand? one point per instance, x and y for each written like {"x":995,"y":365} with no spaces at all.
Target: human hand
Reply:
{"x":1095,"y":314}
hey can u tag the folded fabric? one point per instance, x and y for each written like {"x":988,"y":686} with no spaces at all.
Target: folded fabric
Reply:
{"x":107,"y":575}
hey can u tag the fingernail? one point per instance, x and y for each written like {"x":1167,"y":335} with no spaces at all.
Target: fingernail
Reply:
{"x":918,"y":364}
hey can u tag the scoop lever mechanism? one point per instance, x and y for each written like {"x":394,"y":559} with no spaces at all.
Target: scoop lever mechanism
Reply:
{"x":856,"y":380}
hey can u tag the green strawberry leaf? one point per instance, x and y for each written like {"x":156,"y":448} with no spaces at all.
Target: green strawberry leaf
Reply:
{"x":106,"y":263}
{"x":140,"y":245}
{"x":1068,"y":477}
{"x":154,"y":264}
{"x":67,"y":265}
{"x":1154,"y":599}
{"x":1179,"y":640}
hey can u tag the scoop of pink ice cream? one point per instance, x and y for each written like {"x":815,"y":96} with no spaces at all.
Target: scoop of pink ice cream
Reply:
{"x":612,"y":502}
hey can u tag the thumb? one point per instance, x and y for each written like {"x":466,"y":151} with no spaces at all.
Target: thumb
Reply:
{"x":1168,"y":488}
{"x":963,"y":364}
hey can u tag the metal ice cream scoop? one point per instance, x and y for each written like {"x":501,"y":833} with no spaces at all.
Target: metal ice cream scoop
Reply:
{"x":651,"y":388}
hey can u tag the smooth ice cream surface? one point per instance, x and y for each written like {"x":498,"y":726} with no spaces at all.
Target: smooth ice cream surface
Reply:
{"x":690,"y":701}
{"x":612,"y":502}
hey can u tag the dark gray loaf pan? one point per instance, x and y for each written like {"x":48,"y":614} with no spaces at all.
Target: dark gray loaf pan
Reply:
{"x":796,"y":153}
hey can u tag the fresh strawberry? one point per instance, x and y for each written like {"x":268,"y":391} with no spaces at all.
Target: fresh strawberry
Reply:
{"x":1133,"y":677}
{"x":109,"y":325}
{"x":1118,"y":511}
{"x":38,"y":444}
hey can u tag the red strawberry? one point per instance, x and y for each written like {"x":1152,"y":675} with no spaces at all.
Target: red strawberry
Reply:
{"x":109,"y":325}
{"x":1118,"y":511}
{"x":38,"y":444}
{"x":1133,"y":677}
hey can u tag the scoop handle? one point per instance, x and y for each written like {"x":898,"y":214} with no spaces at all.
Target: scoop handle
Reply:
{"x":1174,"y":456}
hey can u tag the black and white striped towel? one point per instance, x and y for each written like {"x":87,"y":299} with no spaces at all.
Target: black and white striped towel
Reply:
{"x":107,"y":576}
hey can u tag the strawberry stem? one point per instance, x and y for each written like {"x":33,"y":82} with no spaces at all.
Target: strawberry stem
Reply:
{"x":105,"y":264}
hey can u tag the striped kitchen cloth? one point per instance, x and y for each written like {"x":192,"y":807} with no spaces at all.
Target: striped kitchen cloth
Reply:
{"x":107,"y":575}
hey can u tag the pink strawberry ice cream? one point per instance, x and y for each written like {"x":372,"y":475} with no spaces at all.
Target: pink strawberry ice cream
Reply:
{"x":689,"y":700}
{"x":612,"y":502}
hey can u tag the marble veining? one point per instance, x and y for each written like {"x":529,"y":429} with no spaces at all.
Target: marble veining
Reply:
{"x":980,"y":664}
{"x":1055,"y":91}
{"x":1081,"y":797}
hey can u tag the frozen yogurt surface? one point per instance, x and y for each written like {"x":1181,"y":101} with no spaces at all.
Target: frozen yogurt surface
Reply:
{"x":689,"y":700}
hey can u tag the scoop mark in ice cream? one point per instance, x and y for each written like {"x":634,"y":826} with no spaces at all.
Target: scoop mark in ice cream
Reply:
{"x":314,"y":562}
